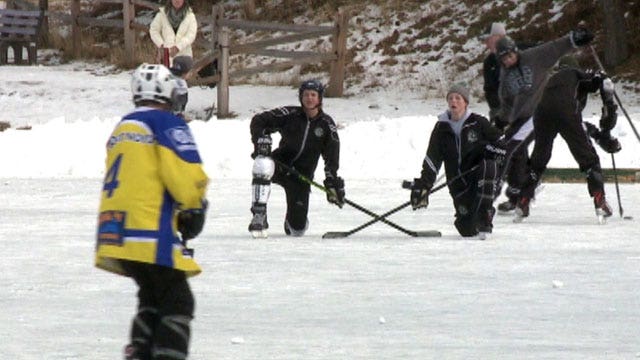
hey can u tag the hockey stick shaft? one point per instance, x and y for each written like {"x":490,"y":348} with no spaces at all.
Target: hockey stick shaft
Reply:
{"x":615,"y":94}
{"x":404,"y":205}
{"x":347,"y":201}
{"x":615,"y":179}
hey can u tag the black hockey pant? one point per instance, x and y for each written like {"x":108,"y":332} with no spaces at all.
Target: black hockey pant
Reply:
{"x":572,"y":131}
{"x":297,"y":193}
{"x":474,"y":205}
{"x":160,"y":330}
{"x":515,"y":165}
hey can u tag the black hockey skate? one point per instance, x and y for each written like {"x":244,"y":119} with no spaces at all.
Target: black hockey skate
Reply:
{"x":506,"y":207}
{"x":522,"y":209}
{"x":603,"y":210}
{"x":485,"y":223}
{"x":259,"y":225}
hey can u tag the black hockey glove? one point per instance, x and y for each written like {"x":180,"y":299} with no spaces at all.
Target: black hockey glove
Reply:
{"x":191,"y":221}
{"x":495,"y":151}
{"x":262,"y":147}
{"x":609,"y":117}
{"x":608,"y":143}
{"x":603,"y":138}
{"x":499,"y":123}
{"x":419,"y":193}
{"x":581,"y":37}
{"x":335,"y":190}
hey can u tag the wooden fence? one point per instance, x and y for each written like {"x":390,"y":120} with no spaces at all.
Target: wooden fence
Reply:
{"x":219,"y":46}
{"x":224,"y":49}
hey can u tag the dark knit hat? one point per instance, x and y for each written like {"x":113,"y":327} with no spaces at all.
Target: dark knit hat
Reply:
{"x":459,"y":88}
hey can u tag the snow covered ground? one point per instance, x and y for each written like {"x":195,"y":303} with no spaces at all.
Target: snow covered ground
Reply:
{"x":556,"y":287}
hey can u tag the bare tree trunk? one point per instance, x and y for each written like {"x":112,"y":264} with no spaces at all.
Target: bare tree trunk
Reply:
{"x":616,"y":48}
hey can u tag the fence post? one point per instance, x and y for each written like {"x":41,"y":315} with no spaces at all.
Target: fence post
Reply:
{"x":128,"y":15}
{"x":76,"y":34}
{"x":339,"y":42}
{"x":223,"y":65}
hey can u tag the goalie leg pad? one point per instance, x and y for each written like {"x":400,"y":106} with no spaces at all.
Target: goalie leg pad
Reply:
{"x":261,"y":189}
{"x":263,"y":168}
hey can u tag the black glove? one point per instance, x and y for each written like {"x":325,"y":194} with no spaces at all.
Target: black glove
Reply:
{"x":608,"y":143}
{"x":581,"y":37}
{"x":609,"y":117}
{"x":191,"y":221}
{"x":420,"y":193}
{"x":499,"y":123}
{"x":262,"y":147}
{"x":603,"y":138}
{"x":335,"y":190}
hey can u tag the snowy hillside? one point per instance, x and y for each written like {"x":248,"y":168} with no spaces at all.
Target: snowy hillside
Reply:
{"x":72,"y":109}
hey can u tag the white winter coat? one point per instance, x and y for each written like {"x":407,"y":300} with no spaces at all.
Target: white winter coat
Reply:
{"x":162,"y":33}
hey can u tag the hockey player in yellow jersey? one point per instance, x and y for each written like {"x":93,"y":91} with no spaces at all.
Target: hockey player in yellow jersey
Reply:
{"x":154,"y":187}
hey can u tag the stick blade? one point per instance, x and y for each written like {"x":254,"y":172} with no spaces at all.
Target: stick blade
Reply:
{"x":428,"y":233}
{"x":335,"y":235}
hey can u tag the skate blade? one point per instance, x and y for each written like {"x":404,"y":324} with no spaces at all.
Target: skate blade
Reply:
{"x":505,"y":213}
{"x":483,"y":235}
{"x":602,"y":216}
{"x":518,"y":219}
{"x":259,"y":234}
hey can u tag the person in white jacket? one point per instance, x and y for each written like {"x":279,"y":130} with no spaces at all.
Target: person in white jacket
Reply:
{"x":174,"y":28}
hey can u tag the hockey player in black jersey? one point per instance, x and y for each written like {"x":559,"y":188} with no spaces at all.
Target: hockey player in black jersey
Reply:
{"x":466,"y":143}
{"x":560,"y":112}
{"x":306,"y":134}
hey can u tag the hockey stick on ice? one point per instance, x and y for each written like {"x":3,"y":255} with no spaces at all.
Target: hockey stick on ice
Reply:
{"x":434,"y":233}
{"x":347,"y":201}
{"x":615,"y":179}
{"x":613,"y":159}
{"x":615,"y":94}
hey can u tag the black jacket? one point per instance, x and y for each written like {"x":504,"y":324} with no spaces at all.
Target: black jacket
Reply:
{"x":566,"y":93}
{"x":303,"y":140}
{"x":458,"y":155}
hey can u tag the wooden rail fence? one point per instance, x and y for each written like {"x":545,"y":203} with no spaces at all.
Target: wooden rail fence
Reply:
{"x":219,"y":46}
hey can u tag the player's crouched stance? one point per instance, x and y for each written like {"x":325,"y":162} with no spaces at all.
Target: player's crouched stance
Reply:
{"x":306,"y":134}
{"x":154,"y":185}
{"x":468,"y":145}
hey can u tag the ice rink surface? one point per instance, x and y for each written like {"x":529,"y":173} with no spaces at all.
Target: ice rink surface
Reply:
{"x":558,"y":286}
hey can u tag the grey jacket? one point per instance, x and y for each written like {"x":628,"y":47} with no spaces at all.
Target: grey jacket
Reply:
{"x":521,"y":86}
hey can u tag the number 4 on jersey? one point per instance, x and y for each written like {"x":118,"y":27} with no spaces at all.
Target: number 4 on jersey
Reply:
{"x":111,"y":182}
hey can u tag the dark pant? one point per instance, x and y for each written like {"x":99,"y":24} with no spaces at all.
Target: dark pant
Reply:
{"x":570,"y":128}
{"x":515,"y":166}
{"x":297,"y":193}
{"x":474,"y":205}
{"x":165,"y":308}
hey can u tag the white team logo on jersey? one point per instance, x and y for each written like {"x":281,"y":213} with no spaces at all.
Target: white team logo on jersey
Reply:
{"x":472,"y":136}
{"x":319,"y":132}
{"x":181,"y":138}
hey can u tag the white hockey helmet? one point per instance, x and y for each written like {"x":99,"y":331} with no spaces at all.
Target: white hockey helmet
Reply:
{"x":154,"y":82}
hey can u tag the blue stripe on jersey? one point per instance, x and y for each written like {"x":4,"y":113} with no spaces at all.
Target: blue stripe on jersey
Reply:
{"x":170,"y":131}
{"x":167,"y":238}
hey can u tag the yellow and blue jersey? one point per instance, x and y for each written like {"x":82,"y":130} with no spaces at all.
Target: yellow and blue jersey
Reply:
{"x":153,"y":170}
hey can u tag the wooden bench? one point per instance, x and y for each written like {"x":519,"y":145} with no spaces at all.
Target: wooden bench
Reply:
{"x":19,"y":29}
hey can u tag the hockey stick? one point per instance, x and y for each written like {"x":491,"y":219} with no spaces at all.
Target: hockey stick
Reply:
{"x":615,"y":179}
{"x":347,"y":201}
{"x":434,"y":233}
{"x":613,"y":159}
{"x":615,"y":94}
